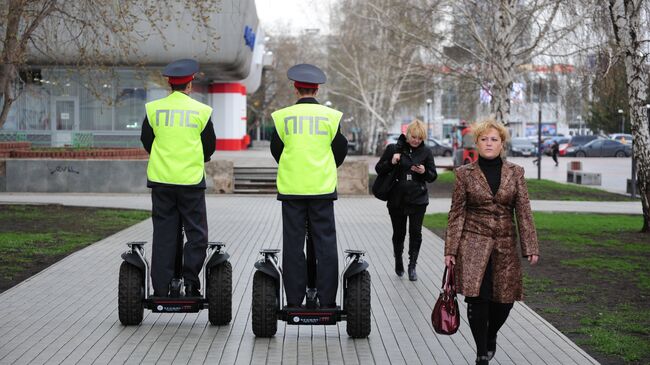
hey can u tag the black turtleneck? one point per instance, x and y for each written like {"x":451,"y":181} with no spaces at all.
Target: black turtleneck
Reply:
{"x":492,"y":171}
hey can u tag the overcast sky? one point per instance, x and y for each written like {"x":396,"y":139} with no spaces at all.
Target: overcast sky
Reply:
{"x":293,"y":15}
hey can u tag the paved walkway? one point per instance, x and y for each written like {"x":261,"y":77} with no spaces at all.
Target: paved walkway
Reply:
{"x":143,"y":201}
{"x":68,"y":312}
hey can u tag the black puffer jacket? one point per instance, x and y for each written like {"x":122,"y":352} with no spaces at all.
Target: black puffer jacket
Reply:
{"x":414,"y":191}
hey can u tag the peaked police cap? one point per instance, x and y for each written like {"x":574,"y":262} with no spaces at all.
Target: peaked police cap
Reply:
{"x":181,"y":68}
{"x":306,"y":73}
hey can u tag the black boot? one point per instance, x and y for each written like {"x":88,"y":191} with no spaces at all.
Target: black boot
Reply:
{"x":498,"y":314}
{"x":413,"y":260}
{"x":415,"y":241}
{"x":398,"y":248}
{"x":399,"y":265}
{"x":478,"y":312}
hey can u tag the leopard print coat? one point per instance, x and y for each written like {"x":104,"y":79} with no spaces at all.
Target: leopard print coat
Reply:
{"x":482,"y":225}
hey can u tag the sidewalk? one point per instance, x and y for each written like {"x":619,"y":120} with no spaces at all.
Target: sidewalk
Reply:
{"x":143,"y":201}
{"x":68,"y":312}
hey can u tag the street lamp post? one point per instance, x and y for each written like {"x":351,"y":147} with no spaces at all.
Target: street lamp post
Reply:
{"x":620,"y":111}
{"x":539,"y":133}
{"x":429,"y":101}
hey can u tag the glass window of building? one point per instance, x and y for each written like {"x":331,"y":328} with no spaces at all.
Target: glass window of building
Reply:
{"x":449,"y":101}
{"x":96,"y":93}
{"x":130,"y":98}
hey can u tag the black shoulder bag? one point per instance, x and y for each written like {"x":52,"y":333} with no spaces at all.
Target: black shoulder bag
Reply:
{"x":384,"y":184}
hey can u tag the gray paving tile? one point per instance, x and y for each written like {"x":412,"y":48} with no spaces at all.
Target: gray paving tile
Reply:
{"x":68,"y":312}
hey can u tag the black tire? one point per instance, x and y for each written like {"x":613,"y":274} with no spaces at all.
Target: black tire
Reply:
{"x":357,"y":305}
{"x":620,"y":154}
{"x":581,"y":154}
{"x":265,"y":305}
{"x":219,"y":294}
{"x":446,"y":153}
{"x":130,"y":294}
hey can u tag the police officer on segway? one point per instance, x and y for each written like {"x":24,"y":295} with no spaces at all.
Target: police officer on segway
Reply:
{"x":178,"y":134}
{"x":308,"y":146}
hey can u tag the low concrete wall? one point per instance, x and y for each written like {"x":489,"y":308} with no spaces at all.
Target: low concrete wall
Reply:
{"x":130,"y":176}
{"x":95,"y":176}
{"x":353,"y":178}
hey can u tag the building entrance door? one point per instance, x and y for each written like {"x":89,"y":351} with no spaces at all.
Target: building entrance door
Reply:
{"x":65,"y":111}
{"x":66,"y":114}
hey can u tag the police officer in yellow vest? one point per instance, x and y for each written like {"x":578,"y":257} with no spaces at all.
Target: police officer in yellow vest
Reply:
{"x":178,"y":134}
{"x":308,"y":146}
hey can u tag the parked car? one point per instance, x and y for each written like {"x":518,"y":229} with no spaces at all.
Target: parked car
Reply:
{"x":439,"y":148}
{"x":521,"y":147}
{"x":561,"y":140}
{"x":601,"y":148}
{"x":576,"y":141}
{"x":391,"y":138}
{"x":622,"y":137}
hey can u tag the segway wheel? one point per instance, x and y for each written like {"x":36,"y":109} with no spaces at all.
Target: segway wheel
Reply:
{"x":219,"y":293}
{"x":130,"y":294}
{"x":357,"y":305}
{"x":265,"y":305}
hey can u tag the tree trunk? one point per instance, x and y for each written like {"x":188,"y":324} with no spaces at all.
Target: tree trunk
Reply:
{"x":6,"y":91}
{"x":10,"y":54}
{"x":502,"y":65}
{"x":625,"y":15}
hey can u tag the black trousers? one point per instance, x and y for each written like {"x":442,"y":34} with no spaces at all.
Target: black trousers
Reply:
{"x":174,"y":208}
{"x":320,"y":214}
{"x":398,"y":218}
{"x":554,"y":155}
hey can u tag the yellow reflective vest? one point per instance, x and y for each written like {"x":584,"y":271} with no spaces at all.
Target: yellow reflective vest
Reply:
{"x":307,"y":165}
{"x":177,"y":152}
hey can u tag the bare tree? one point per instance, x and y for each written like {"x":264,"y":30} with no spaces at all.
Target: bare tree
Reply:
{"x":376,"y":67}
{"x":490,"y":41}
{"x":97,"y":33}
{"x":629,"y":20}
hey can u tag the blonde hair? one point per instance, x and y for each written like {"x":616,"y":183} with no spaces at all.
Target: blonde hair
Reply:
{"x":416,"y":129}
{"x":482,"y":127}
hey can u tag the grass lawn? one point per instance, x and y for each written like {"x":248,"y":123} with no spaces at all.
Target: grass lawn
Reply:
{"x":592,"y":281}
{"x":33,"y":237}
{"x":537,"y":190}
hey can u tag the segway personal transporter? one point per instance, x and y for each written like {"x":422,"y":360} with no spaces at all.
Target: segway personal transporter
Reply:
{"x":268,"y":296}
{"x":135,"y":293}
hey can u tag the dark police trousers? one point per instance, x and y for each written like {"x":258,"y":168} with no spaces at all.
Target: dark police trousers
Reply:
{"x":171,"y":207}
{"x":323,"y":233}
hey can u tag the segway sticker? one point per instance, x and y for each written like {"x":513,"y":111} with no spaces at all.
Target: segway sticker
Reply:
{"x":296,"y":319}
{"x":160,"y":308}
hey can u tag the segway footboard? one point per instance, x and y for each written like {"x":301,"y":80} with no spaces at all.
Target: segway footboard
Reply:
{"x":314,"y":316}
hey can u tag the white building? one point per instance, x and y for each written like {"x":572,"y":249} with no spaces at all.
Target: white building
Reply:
{"x":105,"y":107}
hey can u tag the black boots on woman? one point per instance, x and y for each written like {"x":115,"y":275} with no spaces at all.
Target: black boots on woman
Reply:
{"x":414,"y":251}
{"x":485,"y":319}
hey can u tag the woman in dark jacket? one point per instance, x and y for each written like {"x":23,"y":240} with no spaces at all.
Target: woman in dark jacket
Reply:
{"x":409,"y":197}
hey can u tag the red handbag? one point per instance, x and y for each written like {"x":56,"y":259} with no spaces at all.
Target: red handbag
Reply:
{"x":445,"y":316}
